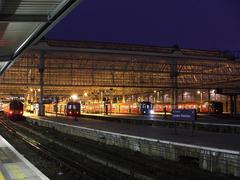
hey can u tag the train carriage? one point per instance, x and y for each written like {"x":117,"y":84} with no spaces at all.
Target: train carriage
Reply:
{"x":73,"y":109}
{"x":14,"y":110}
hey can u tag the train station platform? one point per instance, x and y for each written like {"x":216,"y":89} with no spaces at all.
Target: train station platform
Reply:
{"x":14,"y":166}
{"x":202,"y":138}
{"x":213,"y":151}
{"x":205,"y":122}
{"x":223,"y":119}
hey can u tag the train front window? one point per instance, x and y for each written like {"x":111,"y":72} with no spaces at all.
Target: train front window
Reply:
{"x":69,"y":106}
{"x":16,"y":105}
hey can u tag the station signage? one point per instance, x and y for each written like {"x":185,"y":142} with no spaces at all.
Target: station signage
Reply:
{"x":184,"y":114}
{"x":55,"y":99}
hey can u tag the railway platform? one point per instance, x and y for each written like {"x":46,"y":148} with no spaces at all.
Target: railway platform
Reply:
{"x":14,"y":166}
{"x":204,"y":122}
{"x":202,"y":138}
{"x":213,"y":151}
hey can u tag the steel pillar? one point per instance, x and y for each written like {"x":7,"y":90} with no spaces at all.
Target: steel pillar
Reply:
{"x":235,"y":105}
{"x":41,"y":111}
{"x":231,"y":105}
{"x":174,"y":79}
{"x":208,"y":97}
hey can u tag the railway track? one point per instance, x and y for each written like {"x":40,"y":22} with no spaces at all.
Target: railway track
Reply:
{"x":125,"y":167}
{"x":113,"y":163}
{"x":71,"y":164}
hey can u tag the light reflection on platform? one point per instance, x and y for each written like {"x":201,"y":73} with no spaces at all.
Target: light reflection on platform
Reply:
{"x":14,"y":166}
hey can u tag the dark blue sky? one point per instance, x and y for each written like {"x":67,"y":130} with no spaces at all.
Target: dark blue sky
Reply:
{"x":199,"y":24}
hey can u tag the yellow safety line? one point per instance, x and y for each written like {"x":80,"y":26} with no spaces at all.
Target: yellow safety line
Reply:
{"x":17,"y":171}
{"x":1,"y":176}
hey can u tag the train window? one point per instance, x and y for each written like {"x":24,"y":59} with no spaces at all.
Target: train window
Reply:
{"x":16,"y":105}
{"x":74,"y":107}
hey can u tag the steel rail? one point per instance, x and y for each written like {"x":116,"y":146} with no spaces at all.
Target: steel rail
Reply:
{"x":74,"y":166}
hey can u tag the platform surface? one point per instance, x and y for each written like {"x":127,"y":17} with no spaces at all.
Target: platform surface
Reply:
{"x":201,"y":138}
{"x":14,"y":166}
{"x":203,"y":119}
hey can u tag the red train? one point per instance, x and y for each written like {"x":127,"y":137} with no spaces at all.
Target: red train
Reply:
{"x":138,"y":108}
{"x":119,"y":108}
{"x":64,"y":108}
{"x":207,"y":107}
{"x":74,"y":108}
{"x":14,"y":110}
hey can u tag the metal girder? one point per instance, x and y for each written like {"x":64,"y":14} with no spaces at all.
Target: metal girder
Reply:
{"x":69,"y":72}
{"x":8,"y":18}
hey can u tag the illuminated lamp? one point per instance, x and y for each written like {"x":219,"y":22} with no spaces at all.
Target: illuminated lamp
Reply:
{"x":74,"y":97}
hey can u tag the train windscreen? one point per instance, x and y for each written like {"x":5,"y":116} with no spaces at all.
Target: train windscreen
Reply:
{"x":16,"y":105}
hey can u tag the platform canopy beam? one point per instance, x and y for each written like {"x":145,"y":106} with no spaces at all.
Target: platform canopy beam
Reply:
{"x":24,"y":22}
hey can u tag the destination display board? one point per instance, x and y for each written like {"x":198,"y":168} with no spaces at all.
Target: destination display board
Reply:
{"x":184,"y":114}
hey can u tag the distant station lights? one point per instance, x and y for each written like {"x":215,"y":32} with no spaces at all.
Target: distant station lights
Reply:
{"x":74,"y":97}
{"x":31,"y":89}
{"x":213,"y":91}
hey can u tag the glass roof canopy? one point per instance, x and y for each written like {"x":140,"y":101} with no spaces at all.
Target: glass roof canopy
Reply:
{"x":23,"y":22}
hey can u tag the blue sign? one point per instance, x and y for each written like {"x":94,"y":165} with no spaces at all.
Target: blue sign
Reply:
{"x":184,"y":114}
{"x":55,"y":99}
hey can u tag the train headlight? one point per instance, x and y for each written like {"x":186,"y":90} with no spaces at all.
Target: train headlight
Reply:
{"x":151,"y":111}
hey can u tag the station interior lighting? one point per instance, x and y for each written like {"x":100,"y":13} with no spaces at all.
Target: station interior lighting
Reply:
{"x":186,"y":93}
{"x":199,"y":92}
{"x":85,"y":94}
{"x":212,"y":91}
{"x":74,"y":97}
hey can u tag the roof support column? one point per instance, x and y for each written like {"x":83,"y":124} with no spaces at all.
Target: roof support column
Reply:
{"x":41,"y":71}
{"x":235,"y":105}
{"x":174,"y":79}
{"x":231,"y":105}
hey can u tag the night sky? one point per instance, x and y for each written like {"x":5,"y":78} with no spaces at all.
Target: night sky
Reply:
{"x":198,"y":24}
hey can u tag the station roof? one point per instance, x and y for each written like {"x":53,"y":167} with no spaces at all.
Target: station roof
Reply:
{"x":174,"y":52}
{"x":23,"y":22}
{"x":117,"y":69}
